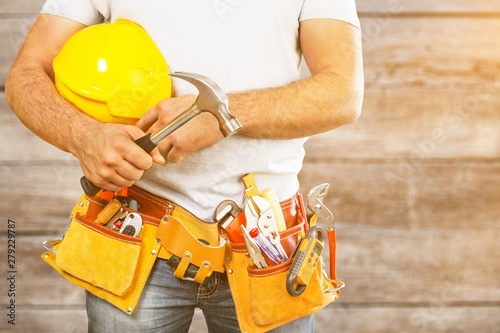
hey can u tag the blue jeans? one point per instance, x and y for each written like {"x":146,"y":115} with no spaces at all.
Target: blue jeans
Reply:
{"x":167,"y":305}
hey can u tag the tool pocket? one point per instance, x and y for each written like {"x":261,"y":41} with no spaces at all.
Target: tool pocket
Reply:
{"x":269,"y":300}
{"x":98,"y":255}
{"x":109,"y":264}
{"x":260,"y":294}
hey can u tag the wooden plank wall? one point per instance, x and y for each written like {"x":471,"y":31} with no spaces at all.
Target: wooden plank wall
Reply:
{"x":415,"y":182}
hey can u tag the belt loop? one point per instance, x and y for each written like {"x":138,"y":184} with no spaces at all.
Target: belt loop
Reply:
{"x":203,"y":272}
{"x":181,"y":269}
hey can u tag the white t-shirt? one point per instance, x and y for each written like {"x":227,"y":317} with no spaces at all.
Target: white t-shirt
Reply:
{"x":241,"y":45}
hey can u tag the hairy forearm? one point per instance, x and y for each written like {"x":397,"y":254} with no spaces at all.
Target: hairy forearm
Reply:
{"x":32,"y":96}
{"x":320,"y":103}
{"x":106,"y":152}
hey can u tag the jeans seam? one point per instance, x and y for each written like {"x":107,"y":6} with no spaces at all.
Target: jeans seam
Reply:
{"x":204,"y":293}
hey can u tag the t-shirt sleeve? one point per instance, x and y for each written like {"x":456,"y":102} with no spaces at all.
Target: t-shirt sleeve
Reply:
{"x":82,"y":11}
{"x":343,"y":10}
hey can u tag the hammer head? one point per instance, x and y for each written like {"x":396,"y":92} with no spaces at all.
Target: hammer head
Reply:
{"x":212,"y":99}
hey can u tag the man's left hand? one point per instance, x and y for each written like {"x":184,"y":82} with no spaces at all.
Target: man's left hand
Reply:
{"x":200,"y":132}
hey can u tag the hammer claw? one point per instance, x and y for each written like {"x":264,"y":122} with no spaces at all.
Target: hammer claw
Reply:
{"x":211,"y":99}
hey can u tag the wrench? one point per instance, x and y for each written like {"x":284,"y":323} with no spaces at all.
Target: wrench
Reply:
{"x":315,"y":202}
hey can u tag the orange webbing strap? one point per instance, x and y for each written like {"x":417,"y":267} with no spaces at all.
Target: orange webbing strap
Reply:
{"x":332,"y":243}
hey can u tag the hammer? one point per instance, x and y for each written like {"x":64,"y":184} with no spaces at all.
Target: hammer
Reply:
{"x":211,"y":99}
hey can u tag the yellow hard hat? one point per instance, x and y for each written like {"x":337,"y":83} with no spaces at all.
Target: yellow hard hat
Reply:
{"x":112,"y":72}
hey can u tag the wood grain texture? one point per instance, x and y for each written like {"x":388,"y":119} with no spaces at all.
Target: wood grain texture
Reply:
{"x":415,"y":181}
{"x":449,"y":53}
{"x":398,"y":52}
{"x":20,"y":145}
{"x":12,"y":33}
{"x":364,"y":6}
{"x":39,"y":197}
{"x":56,"y":320}
{"x":21,"y":6}
{"x":417,"y":125}
{"x":37,"y":283}
{"x":427,"y":7}
{"x":439,"y":196}
{"x":433,"y":318}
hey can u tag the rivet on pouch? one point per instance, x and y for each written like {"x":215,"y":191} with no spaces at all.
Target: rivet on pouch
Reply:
{"x":229,"y":271}
{"x":153,"y":252}
{"x":129,"y":310}
{"x":158,"y":240}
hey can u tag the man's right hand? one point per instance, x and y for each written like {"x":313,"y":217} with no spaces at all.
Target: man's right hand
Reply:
{"x":111,"y":159}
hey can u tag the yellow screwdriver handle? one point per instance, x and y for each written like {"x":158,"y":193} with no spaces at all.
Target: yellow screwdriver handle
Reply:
{"x":270,"y":195}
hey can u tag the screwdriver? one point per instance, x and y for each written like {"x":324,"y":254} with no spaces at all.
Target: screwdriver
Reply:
{"x":266,"y":246}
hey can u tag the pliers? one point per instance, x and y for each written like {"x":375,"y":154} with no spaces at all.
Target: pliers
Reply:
{"x":259,"y":214}
{"x":253,"y":249}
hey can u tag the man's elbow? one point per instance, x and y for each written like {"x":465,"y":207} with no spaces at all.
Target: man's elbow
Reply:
{"x":353,"y":106}
{"x":345,"y":99}
{"x":9,"y":89}
{"x":23,"y":75}
{"x":13,"y":84}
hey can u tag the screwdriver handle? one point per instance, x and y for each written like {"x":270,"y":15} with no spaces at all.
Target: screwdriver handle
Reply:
{"x":270,"y":195}
{"x":91,"y":189}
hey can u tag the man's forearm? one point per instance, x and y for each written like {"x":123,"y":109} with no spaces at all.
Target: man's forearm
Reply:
{"x":320,"y":103}
{"x":106,"y":152}
{"x":32,"y":96}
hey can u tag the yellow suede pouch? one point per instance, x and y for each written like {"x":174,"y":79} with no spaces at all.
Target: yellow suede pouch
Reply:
{"x":112,"y":266}
{"x":261,"y":299}
{"x":99,"y":256}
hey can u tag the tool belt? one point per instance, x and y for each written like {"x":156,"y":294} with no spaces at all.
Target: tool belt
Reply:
{"x":115,"y":264}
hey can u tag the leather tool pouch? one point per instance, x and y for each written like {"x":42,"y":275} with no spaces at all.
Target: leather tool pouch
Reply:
{"x":110,"y":265}
{"x":260,"y":294}
{"x":115,"y":266}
